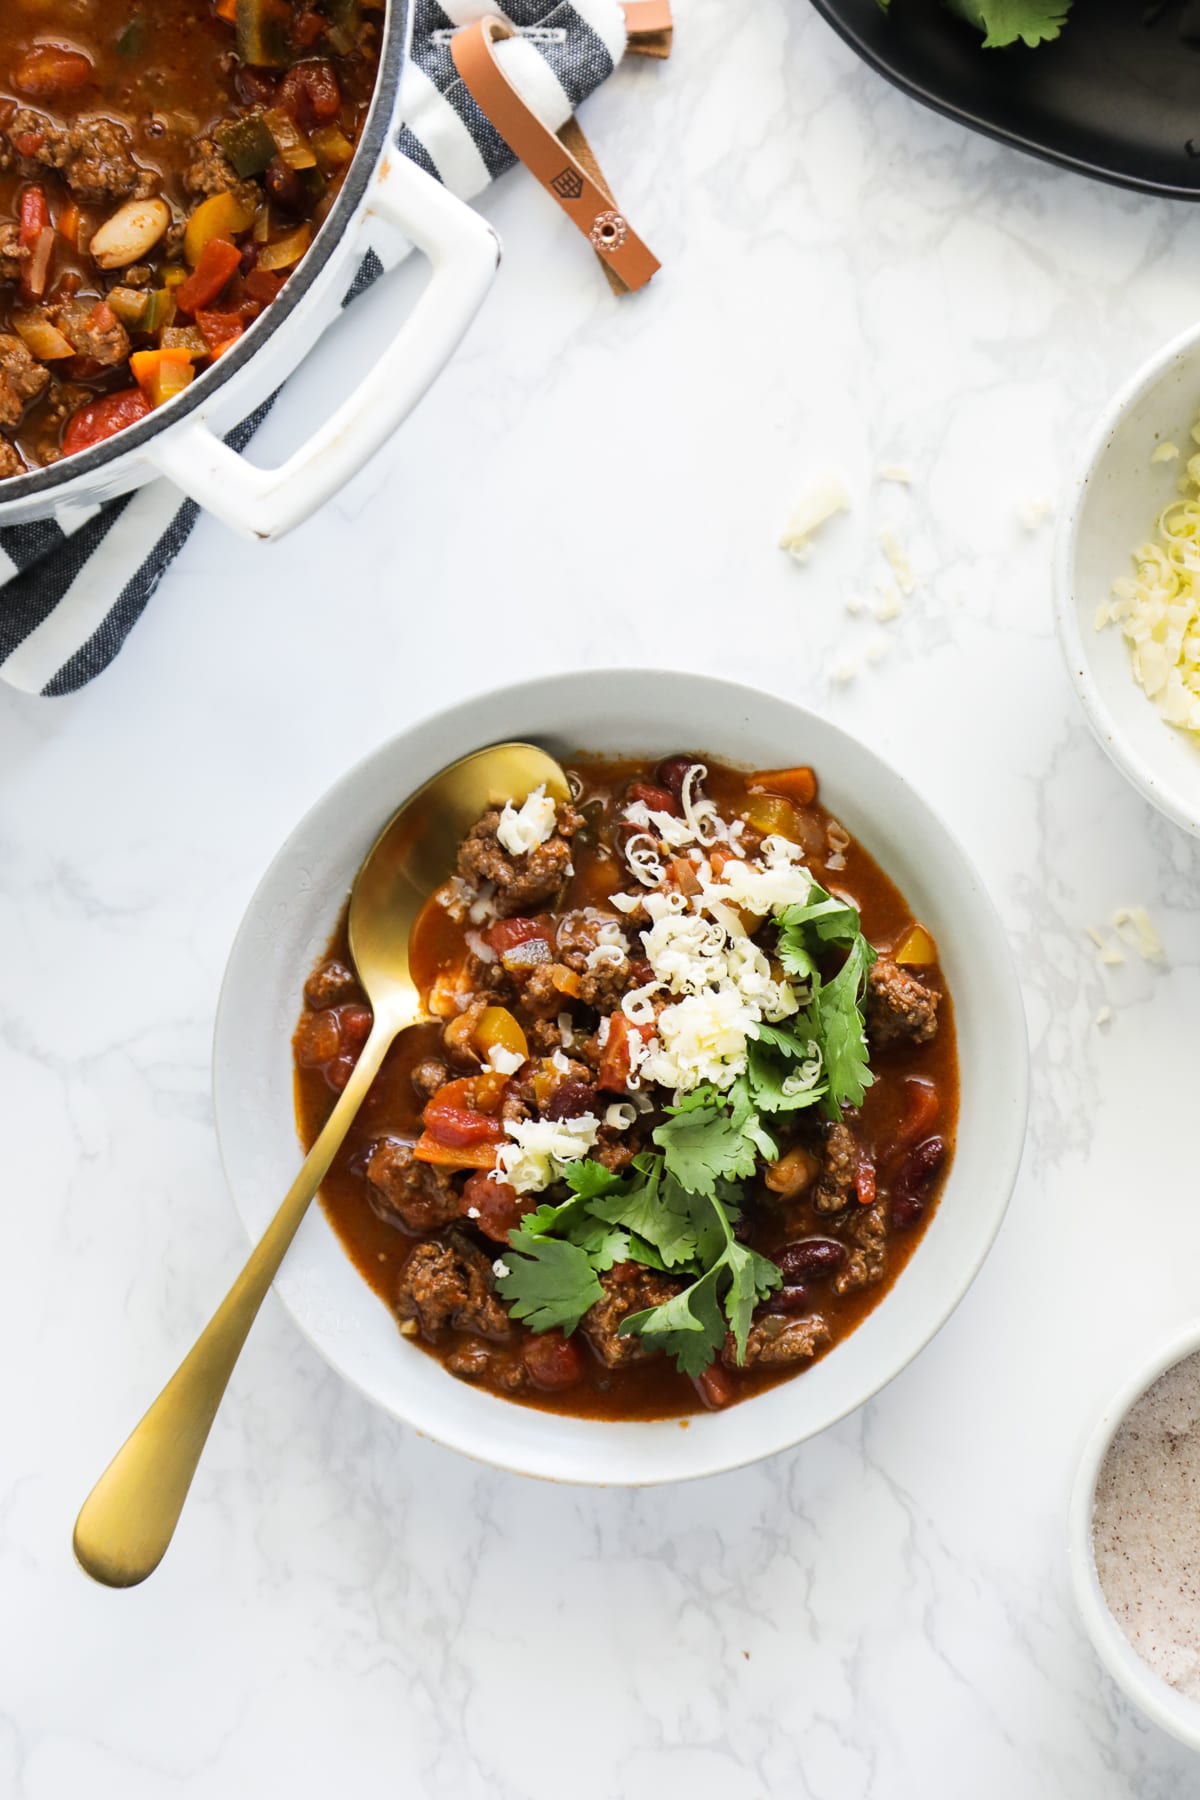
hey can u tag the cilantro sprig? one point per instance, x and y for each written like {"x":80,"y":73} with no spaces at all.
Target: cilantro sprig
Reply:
{"x":1005,"y":22}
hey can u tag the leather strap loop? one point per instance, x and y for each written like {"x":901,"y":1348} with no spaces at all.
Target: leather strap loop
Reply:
{"x":570,"y":179}
{"x":648,"y":27}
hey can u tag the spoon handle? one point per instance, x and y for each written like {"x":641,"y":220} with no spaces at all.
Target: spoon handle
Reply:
{"x":129,"y":1518}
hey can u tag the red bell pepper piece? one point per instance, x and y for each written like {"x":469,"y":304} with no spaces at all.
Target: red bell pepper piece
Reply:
{"x":219,"y":261}
{"x":616,"y":1058}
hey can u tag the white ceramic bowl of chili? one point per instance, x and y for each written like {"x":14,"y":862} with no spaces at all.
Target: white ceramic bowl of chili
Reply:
{"x":292,"y":916}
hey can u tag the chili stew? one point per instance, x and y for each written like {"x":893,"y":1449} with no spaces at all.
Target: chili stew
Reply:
{"x":683,"y":1106}
{"x":163,"y":169}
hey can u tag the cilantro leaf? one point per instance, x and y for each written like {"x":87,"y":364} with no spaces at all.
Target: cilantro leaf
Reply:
{"x":688,"y":1327}
{"x":691,"y":1326}
{"x":835,"y":1018}
{"x":549,"y":1282}
{"x":1005,"y":22}
{"x":657,"y":1209}
{"x":705,"y":1142}
{"x":784,"y":1072}
{"x":589,"y":1177}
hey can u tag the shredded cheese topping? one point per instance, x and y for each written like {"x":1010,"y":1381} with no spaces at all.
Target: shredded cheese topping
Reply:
{"x":539,"y":1150}
{"x":522,"y":831}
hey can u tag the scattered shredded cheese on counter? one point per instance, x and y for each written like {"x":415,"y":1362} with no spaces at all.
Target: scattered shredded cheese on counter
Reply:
{"x":823,"y":501}
{"x":520,"y":832}
{"x":896,"y":472}
{"x":889,"y":605}
{"x":897,"y":557}
{"x":1134,"y":924}
{"x":1034,"y":513}
{"x":1109,"y":953}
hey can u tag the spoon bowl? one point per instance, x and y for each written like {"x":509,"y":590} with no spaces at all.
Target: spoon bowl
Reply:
{"x":129,"y":1518}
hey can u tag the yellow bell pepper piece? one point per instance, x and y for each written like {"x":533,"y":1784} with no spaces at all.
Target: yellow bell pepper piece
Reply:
{"x":916,"y":949}
{"x":219,"y":216}
{"x":498,"y":1029}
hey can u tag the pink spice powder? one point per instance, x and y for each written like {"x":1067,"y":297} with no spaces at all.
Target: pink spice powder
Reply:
{"x":1146,"y":1526}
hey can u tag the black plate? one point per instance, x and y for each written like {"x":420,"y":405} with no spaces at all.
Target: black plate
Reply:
{"x":1116,"y":96}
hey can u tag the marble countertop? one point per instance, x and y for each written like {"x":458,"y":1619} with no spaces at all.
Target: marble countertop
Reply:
{"x":884,"y":1613}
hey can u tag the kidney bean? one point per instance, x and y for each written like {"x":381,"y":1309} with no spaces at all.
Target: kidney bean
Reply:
{"x":671,"y":772}
{"x":339,"y":1071}
{"x":354,"y":1025}
{"x":254,"y":87}
{"x":811,"y":1258}
{"x":716,"y":1387}
{"x":910,"y":1190}
{"x":552,"y":1361}
{"x":571,"y":1100}
{"x":795,"y":1297}
{"x":285,"y":186}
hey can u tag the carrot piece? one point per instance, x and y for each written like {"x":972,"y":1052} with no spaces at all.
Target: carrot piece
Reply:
{"x":444,"y":1156}
{"x":798,"y":785}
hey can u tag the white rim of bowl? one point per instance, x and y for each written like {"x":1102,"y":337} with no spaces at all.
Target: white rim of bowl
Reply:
{"x":1007,"y":1170}
{"x":1173,"y":1712}
{"x":1070,"y":636}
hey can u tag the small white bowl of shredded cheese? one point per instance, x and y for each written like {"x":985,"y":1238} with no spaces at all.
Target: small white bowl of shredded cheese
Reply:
{"x":1127,"y":580}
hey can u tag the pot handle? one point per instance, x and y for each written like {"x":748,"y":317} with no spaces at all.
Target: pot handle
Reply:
{"x":265,"y":503}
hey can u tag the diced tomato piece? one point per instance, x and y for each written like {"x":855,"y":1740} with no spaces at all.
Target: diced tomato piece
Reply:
{"x":103,"y":418}
{"x":261,"y":285}
{"x":616,"y":1058}
{"x":34,"y":215}
{"x":493,"y":1205}
{"x":219,"y":328}
{"x":506,"y":934}
{"x":923,"y":1107}
{"x":47,"y":70}
{"x":28,"y":143}
{"x":864,"y":1181}
{"x":450,"y":1119}
{"x":715,"y":1386}
{"x":307,"y":29}
{"x":656,"y":798}
{"x":447,"y":1156}
{"x":552,"y":1360}
{"x":218,"y":262}
{"x":310,"y":95}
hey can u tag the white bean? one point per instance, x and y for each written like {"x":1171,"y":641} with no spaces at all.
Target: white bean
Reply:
{"x":130,"y":233}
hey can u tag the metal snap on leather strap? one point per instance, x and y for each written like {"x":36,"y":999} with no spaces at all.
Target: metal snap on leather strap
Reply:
{"x":608,"y":232}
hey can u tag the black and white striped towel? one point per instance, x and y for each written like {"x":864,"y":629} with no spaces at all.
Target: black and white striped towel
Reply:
{"x":72,"y":587}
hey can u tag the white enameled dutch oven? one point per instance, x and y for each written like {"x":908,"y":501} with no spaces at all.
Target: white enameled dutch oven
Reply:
{"x":385,"y":202}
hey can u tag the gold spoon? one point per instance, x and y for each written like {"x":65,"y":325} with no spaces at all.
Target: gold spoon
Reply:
{"x":129,"y":1518}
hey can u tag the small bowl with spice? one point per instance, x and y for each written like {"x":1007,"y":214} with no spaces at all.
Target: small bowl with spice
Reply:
{"x":1135,"y":1538}
{"x":1127,"y":581}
